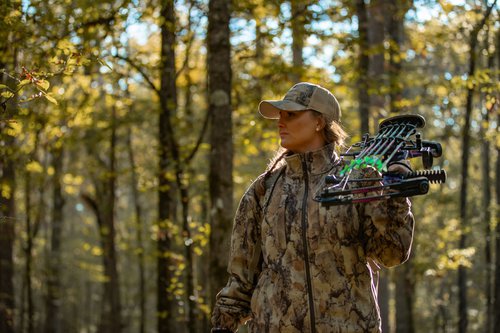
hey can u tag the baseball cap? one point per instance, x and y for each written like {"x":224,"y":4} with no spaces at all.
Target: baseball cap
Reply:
{"x":303,"y":96}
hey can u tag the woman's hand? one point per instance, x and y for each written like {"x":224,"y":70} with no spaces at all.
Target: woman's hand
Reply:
{"x":402,"y":167}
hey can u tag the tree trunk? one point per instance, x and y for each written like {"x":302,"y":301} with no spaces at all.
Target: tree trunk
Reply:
{"x":496,"y":297}
{"x":383,"y":297}
{"x":485,"y":161}
{"x":487,"y":203}
{"x":462,"y":272}
{"x":188,"y":253}
{"x":8,"y":187}
{"x":53,"y":318}
{"x":298,"y":22}
{"x":496,"y":278}
{"x":111,"y":317}
{"x":397,"y":11}
{"x":7,"y":219}
{"x":28,"y":253}
{"x":404,"y":298}
{"x":376,"y":36}
{"x":363,"y":67}
{"x":221,"y":154}
{"x":496,"y":286}
{"x":138,"y":234}
{"x":376,"y":70}
{"x":166,"y":202}
{"x":103,"y":206}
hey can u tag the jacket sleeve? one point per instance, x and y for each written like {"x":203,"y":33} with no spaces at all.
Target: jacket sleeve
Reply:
{"x":232,"y":304}
{"x":388,"y":230}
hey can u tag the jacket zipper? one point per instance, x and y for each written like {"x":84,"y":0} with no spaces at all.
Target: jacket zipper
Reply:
{"x":306,"y":251}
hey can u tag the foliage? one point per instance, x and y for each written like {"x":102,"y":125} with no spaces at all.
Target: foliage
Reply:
{"x":79,"y":60}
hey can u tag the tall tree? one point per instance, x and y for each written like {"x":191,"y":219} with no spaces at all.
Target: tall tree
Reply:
{"x":376,"y":84}
{"x":298,"y":20}
{"x":376,"y":70}
{"x":103,"y":205}
{"x":487,"y":193}
{"x":53,"y":318}
{"x":397,"y":11}
{"x":363,"y":67}
{"x":462,"y":272}
{"x":221,"y":140}
{"x":405,"y":287}
{"x":496,"y":285}
{"x":166,"y":200}
{"x":8,"y":110}
{"x":496,"y":297}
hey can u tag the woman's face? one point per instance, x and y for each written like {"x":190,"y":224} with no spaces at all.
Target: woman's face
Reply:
{"x":300,"y":131}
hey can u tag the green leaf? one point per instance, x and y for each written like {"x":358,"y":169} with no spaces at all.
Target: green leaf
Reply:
{"x":7,"y":94}
{"x":21,"y":85}
{"x":3,"y":86}
{"x":44,"y":84}
{"x":51,"y":99}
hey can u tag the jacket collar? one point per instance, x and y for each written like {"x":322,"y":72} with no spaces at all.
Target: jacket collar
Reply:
{"x":317,"y":162}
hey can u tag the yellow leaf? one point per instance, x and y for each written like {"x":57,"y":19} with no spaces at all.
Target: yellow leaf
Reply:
{"x":34,"y":167}
{"x":23,"y":83}
{"x":44,"y":84}
{"x":96,"y":251}
{"x":441,"y":91}
{"x":6,"y":191}
{"x":7,"y":94}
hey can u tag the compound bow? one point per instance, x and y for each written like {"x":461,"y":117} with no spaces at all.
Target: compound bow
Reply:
{"x":396,"y":140}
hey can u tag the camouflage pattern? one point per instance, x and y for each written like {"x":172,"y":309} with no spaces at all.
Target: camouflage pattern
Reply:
{"x":296,"y":266}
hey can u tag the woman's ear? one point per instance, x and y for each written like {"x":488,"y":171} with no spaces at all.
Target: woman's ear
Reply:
{"x":321,"y":124}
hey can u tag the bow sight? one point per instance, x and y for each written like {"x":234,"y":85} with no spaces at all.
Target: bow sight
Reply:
{"x":397,"y":140}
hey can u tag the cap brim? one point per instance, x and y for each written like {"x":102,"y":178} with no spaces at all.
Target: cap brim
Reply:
{"x":271,"y":109}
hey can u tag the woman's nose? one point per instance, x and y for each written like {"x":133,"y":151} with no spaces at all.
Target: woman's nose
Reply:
{"x":280,"y":122}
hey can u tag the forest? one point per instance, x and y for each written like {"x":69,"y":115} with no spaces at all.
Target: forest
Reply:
{"x":129,"y":131}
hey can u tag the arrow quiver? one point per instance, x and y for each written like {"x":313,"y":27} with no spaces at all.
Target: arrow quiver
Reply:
{"x":397,"y":140}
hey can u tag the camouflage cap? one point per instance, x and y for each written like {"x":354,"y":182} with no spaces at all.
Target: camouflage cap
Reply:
{"x":303,"y":96}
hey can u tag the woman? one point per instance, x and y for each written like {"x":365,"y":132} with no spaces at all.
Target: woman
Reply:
{"x":296,"y":266}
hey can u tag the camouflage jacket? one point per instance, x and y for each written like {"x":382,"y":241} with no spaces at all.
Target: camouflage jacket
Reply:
{"x":296,"y":266}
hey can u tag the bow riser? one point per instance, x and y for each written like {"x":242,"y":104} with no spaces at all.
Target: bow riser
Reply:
{"x":397,"y":140}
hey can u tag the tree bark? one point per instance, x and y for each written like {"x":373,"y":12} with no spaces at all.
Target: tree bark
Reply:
{"x":376,"y":71}
{"x":28,"y":253}
{"x":462,"y":271}
{"x":53,"y":317}
{"x":7,"y":235}
{"x":496,"y":297}
{"x":397,"y":11}
{"x":8,"y":59}
{"x":103,"y":206}
{"x":496,"y":286}
{"x":221,"y":153}
{"x":487,"y":202}
{"x":376,"y":68}
{"x":404,"y":298}
{"x":363,"y":67}
{"x":166,"y":202}
{"x":138,"y":234}
{"x":298,"y":22}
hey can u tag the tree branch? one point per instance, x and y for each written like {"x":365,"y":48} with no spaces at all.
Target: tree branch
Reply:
{"x":141,"y":71}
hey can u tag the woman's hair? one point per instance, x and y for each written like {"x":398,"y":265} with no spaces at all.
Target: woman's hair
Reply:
{"x":332,"y":132}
